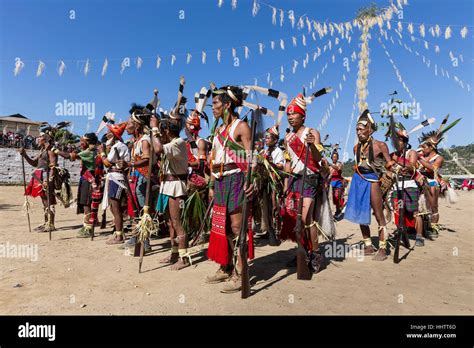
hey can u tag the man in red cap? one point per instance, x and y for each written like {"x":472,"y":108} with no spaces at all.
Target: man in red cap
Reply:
{"x":296,"y":142}
{"x":115,"y":191}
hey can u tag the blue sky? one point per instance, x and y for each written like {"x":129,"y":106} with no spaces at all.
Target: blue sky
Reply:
{"x":34,"y":30}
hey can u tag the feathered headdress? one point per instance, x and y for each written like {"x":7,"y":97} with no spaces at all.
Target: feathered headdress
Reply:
{"x":194,"y":118}
{"x":366,"y":119}
{"x":140,"y":114}
{"x":435,"y":137}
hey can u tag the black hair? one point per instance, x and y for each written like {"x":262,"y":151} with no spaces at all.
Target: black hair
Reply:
{"x":225,"y":98}
{"x":91,"y":138}
{"x":136,"y":107}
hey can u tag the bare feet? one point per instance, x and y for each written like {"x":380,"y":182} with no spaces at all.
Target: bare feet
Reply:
{"x":115,"y":240}
{"x":180,"y":264}
{"x":381,"y":255}
{"x":369,"y":250}
{"x":171,"y":258}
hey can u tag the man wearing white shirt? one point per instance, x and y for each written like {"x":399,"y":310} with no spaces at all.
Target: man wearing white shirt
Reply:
{"x":115,"y":192}
{"x":274,"y":155}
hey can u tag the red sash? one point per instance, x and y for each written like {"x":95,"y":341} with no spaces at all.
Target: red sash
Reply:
{"x":191,"y":157}
{"x":299,"y":148}
{"x":231,"y":153}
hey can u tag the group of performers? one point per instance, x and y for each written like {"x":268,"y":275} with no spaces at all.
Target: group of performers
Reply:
{"x":156,"y":171}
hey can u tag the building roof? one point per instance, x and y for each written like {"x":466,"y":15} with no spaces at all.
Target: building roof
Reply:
{"x":19,"y":119}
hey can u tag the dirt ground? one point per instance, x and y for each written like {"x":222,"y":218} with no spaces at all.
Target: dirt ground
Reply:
{"x":79,"y":276}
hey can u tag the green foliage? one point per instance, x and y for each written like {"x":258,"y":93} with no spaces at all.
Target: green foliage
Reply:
{"x":464,"y":155}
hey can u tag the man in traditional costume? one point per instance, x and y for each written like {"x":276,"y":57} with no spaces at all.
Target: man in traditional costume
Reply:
{"x":364,"y":192}
{"x":140,"y":155}
{"x":405,"y":171}
{"x":337,"y":183}
{"x":115,"y":189}
{"x":89,"y":193}
{"x":173,"y":177}
{"x":38,"y":186}
{"x":273,"y":185}
{"x":430,"y":163}
{"x":296,"y":142}
{"x":196,"y":146}
{"x":230,"y":150}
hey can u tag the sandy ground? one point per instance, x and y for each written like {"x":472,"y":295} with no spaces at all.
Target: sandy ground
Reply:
{"x":77,"y":276}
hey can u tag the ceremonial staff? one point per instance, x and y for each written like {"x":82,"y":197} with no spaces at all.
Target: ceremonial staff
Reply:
{"x":401,"y":232}
{"x":242,"y":241}
{"x":47,"y":194}
{"x":146,"y":222}
{"x":27,"y":204}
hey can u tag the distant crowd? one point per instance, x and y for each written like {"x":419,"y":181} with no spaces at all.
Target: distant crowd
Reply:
{"x":17,"y":140}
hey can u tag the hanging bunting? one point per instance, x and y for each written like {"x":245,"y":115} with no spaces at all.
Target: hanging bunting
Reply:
{"x":308,"y":24}
{"x":246,"y":52}
{"x":272,"y":44}
{"x":300,"y":24}
{"x":447,"y":33}
{"x":464,"y":32}
{"x":282,"y":17}
{"x":291,"y":17}
{"x":104,"y":67}
{"x":219,"y":55}
{"x":125,"y":63}
{"x":19,"y":65}
{"x":188,"y":58}
{"x":87,"y":67}
{"x":295,"y":64}
{"x":158,"y":62}
{"x":303,"y":39}
{"x":422,"y":30}
{"x":219,"y":3}
{"x":268,"y":77}
{"x":432,"y":31}
{"x":41,"y":67}
{"x":173,"y":59}
{"x":437,"y":30}
{"x":255,"y":8}
{"x":61,"y":68}
{"x":234,"y":53}
{"x":282,"y":44}
{"x":139,"y":62}
{"x":274,"y":13}
{"x":234,"y":4}
{"x":260,"y":48}
{"x":293,"y":39}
